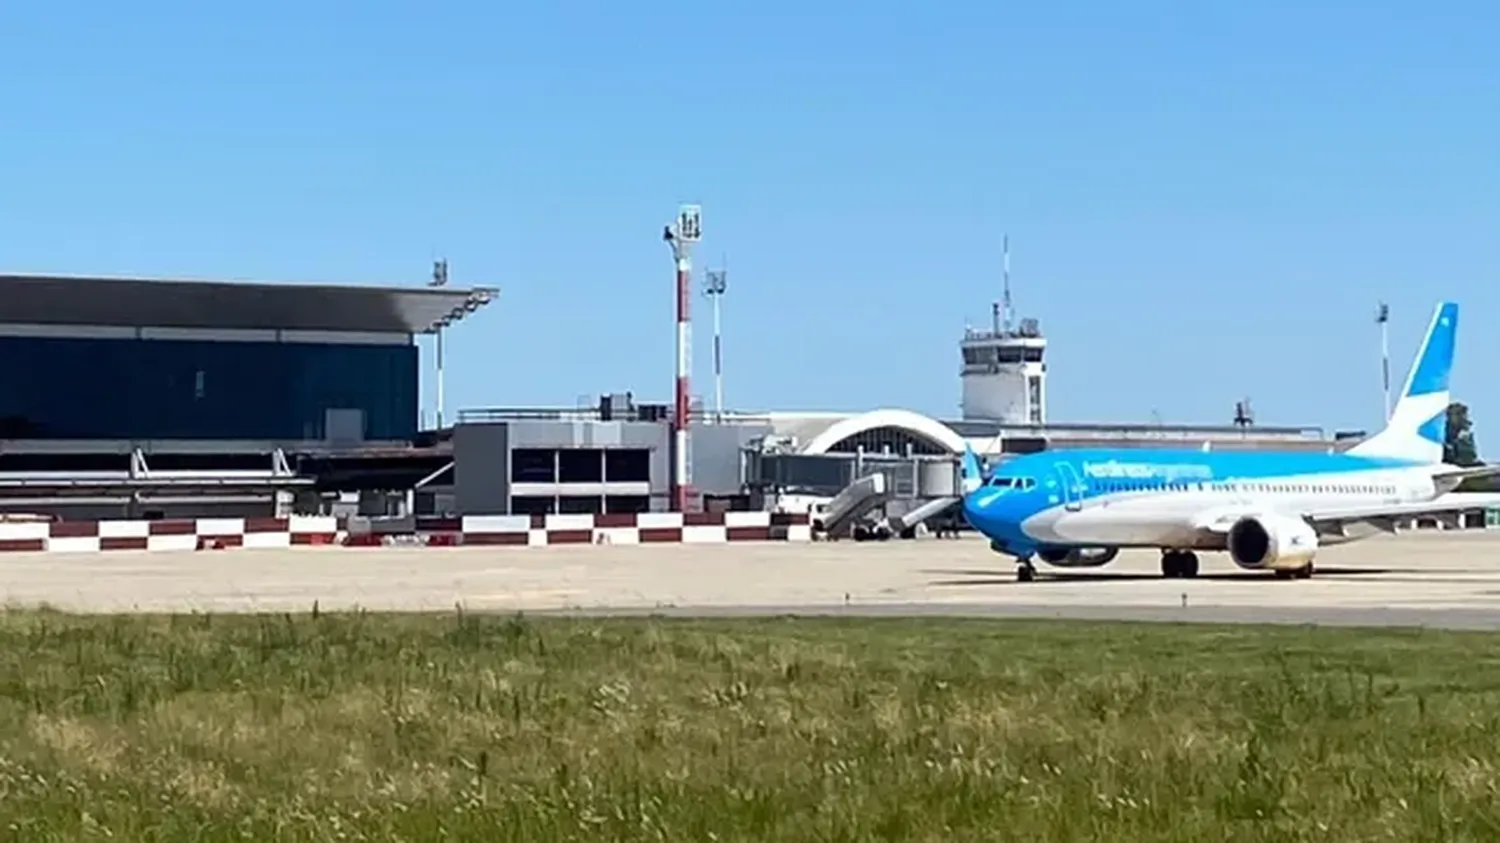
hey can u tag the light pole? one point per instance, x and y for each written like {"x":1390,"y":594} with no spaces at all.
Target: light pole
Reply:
{"x":715,"y":284}
{"x":1383,"y":318}
{"x":439,"y":279}
{"x":681,"y":236}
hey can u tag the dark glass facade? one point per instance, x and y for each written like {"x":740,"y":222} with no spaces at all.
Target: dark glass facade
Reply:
{"x":56,"y":388}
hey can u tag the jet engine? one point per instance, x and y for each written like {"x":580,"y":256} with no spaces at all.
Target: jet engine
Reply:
{"x":1272,"y":542}
{"x":1078,"y":557}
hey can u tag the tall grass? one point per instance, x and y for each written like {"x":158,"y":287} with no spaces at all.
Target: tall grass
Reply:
{"x":470,"y":727}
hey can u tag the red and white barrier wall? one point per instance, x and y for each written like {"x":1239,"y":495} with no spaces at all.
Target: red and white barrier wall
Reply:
{"x":517,"y":530}
{"x":642,"y":528}
{"x":174,"y":534}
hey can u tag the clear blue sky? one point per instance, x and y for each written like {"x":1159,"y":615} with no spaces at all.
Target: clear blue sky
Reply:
{"x":1205,"y":199}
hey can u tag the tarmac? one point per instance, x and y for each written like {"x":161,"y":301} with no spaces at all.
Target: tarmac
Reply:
{"x":1430,"y":578}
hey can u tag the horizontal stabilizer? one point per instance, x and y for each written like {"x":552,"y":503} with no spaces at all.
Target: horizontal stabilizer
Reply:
{"x":1451,"y":477}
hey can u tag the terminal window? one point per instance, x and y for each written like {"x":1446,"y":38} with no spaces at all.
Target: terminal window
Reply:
{"x":627,"y":465}
{"x":580,"y":465}
{"x":159,"y":389}
{"x":580,"y":505}
{"x":533,"y":465}
{"x":631,"y":504}
{"x":533,"y":505}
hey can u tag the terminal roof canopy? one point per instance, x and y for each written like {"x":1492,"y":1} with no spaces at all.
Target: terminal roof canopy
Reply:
{"x":227,"y":305}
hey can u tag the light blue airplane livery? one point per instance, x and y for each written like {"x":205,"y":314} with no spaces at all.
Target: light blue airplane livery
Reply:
{"x":1268,"y":510}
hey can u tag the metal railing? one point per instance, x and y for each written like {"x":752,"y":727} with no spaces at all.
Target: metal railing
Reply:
{"x":640,"y":412}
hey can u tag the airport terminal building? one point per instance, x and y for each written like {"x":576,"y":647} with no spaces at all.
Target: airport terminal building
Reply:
{"x":143,"y":398}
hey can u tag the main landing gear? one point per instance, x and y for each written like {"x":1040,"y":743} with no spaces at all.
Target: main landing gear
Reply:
{"x":1295,"y":573}
{"x":1025,"y":571}
{"x":1179,"y":564}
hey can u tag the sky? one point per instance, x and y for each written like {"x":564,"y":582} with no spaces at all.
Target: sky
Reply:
{"x":1205,"y":201}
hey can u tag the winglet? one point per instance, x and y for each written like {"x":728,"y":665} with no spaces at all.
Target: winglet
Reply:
{"x":972,"y":476}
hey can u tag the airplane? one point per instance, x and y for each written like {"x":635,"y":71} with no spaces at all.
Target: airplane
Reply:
{"x":1270,"y":510}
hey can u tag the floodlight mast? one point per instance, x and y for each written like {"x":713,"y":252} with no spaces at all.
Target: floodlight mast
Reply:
{"x":1383,"y":318}
{"x":439,"y":279}
{"x":715,"y":285}
{"x":681,"y":236}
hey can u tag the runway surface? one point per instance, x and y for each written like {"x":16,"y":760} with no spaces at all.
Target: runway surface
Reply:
{"x":1430,"y":578}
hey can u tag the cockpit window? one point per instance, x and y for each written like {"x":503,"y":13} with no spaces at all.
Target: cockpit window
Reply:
{"x":1012,"y":482}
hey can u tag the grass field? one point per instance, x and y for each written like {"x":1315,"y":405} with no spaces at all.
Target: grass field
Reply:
{"x":467,"y":727}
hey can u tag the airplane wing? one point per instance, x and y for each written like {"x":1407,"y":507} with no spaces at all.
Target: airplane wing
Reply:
{"x":1219,"y":520}
{"x":1451,"y":502}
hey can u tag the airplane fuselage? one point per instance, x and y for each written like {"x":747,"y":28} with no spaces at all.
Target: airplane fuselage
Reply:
{"x":1160,"y":498}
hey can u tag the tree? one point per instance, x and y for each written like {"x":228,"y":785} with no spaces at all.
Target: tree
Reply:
{"x":1458,"y":440}
{"x":1459,"y":448}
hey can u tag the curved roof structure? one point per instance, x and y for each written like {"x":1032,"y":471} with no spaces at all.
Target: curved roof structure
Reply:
{"x":916,"y":424}
{"x":228,"y":305}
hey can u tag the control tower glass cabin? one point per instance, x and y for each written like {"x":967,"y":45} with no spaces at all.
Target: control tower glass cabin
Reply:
{"x":1005,"y":374}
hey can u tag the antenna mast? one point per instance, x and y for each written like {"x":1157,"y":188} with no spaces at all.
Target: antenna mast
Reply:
{"x":1005,"y":295}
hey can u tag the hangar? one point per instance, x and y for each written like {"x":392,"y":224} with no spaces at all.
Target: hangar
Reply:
{"x":887,"y":427}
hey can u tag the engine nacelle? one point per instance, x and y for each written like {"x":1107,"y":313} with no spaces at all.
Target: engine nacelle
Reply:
{"x":1078,"y":557}
{"x":1272,"y":542}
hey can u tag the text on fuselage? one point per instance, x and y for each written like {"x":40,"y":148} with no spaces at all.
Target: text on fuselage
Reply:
{"x":1148,"y":471}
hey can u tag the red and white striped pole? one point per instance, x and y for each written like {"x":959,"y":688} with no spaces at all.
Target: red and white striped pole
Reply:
{"x":681,"y":237}
{"x":680,"y":416}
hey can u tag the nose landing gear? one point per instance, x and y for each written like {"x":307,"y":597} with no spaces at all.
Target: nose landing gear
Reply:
{"x":1025,"y":571}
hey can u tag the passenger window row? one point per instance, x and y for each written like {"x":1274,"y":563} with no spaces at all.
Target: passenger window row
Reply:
{"x":1239,"y":486}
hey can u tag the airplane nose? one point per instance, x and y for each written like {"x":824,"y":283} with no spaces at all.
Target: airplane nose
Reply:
{"x":996,"y":512}
{"x":989,"y":501}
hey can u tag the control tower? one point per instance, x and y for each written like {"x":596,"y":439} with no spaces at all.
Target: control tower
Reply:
{"x":1005,"y":369}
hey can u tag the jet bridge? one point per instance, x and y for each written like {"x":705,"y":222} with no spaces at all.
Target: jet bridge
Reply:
{"x":906,"y":525}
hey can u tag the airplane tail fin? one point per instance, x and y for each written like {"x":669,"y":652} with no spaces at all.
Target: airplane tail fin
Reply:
{"x":972,"y":474}
{"x":1419,"y":423}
